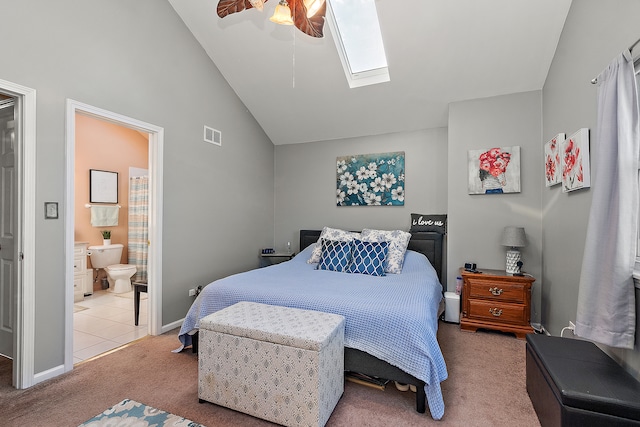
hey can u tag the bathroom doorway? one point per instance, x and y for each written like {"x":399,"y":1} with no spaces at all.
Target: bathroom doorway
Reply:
{"x":107,"y":318}
{"x":103,"y":317}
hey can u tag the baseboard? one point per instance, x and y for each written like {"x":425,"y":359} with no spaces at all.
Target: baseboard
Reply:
{"x":171,"y":326}
{"x":48,"y":374}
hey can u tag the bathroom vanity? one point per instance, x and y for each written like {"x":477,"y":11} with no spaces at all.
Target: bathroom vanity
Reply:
{"x":80,"y":276}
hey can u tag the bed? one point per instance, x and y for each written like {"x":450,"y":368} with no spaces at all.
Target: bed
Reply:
{"x":391,"y":321}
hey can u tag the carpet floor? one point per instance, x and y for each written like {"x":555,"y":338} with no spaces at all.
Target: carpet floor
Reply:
{"x":486,"y":387}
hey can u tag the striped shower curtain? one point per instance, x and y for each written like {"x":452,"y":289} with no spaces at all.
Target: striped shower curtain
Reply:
{"x":139,"y":226}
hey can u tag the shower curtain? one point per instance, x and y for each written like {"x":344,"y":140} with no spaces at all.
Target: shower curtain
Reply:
{"x":606,"y":301}
{"x":139,"y":226}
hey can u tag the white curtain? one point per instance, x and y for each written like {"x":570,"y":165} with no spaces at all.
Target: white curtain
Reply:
{"x":606,"y":299}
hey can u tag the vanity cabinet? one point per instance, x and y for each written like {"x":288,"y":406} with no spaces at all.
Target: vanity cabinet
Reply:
{"x":80,"y":271}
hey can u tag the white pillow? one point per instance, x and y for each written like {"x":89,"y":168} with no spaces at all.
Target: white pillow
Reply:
{"x":330,"y":234}
{"x":398,"y":242}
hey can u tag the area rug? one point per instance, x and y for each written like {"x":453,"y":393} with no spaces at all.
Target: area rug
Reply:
{"x":132,"y":413}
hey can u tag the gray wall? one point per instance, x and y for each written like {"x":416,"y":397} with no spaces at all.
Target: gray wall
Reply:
{"x":305,"y":183}
{"x":476,"y":221}
{"x":594,"y":33}
{"x":138,"y":59}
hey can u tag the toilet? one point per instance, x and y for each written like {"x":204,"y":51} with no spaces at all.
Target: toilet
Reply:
{"x":108,"y":258}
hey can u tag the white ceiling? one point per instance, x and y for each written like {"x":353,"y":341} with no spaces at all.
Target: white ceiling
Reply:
{"x":438,"y":51}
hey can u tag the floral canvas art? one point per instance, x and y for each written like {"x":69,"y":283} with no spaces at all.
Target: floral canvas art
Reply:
{"x":494,"y":171}
{"x":552,"y":166}
{"x":370,"y":180}
{"x":574,"y":154}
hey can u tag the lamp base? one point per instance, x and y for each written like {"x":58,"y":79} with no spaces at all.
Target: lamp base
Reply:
{"x":513,"y":257}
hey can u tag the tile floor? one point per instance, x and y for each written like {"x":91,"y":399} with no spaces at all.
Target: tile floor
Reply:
{"x":104,"y":321}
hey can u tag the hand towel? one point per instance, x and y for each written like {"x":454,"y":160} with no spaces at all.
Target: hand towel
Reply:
{"x":104,"y":216}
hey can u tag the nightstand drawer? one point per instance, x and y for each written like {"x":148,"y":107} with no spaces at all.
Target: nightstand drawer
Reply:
{"x":496,"y":291}
{"x":495,"y":311}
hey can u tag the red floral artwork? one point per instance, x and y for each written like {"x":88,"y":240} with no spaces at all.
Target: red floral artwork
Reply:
{"x":494,"y":170}
{"x":494,"y":161}
{"x":571,"y":155}
{"x":552,"y":161}
{"x":575,"y":161}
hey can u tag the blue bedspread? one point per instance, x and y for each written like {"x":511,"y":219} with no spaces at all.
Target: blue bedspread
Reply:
{"x":394,"y":318}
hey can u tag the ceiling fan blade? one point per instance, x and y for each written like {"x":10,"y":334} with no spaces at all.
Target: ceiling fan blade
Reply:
{"x":312,"y":26}
{"x":227,"y":7}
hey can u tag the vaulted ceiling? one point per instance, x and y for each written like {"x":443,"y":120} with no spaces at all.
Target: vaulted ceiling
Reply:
{"x":438,"y":52}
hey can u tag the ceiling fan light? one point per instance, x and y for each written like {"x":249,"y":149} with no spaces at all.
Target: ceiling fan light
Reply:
{"x":282,"y":14}
{"x":313,"y":6}
{"x":257,"y":4}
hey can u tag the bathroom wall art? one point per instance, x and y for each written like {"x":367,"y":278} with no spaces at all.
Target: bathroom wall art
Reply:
{"x":574,"y":154}
{"x":552,"y":165}
{"x":370,"y":180}
{"x":494,"y":170}
{"x":103,"y":186}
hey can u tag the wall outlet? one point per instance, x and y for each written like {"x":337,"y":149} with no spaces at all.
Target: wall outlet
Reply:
{"x":192,"y":292}
{"x":572,"y":325}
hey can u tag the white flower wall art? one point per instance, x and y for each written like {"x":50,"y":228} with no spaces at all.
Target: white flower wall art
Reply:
{"x":370,"y":180}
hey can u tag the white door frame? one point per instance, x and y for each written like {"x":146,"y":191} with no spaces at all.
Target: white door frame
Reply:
{"x":156,"y":141}
{"x":24,"y":330}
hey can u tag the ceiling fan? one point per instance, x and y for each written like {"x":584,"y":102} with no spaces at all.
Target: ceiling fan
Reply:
{"x":307,"y":15}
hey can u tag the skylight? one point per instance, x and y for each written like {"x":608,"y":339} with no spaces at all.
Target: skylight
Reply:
{"x":356,"y":31}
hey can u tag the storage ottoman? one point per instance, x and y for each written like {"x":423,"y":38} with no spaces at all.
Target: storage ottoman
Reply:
{"x":573,"y":383}
{"x":284,"y":365}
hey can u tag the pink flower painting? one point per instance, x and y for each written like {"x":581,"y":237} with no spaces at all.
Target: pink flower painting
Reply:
{"x":575,"y":161}
{"x":552,"y":166}
{"x":494,"y":171}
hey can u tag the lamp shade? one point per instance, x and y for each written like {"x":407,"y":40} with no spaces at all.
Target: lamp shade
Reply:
{"x":514,"y":237}
{"x":282,"y":14}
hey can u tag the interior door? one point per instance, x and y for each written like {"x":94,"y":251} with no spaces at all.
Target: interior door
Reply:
{"x":8,"y":206}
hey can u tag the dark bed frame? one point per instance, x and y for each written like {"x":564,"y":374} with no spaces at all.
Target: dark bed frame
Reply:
{"x":427,"y":243}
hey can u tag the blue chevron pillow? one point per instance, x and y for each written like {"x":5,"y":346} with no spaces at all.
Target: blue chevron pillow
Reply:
{"x":368,"y":257}
{"x":335,"y":255}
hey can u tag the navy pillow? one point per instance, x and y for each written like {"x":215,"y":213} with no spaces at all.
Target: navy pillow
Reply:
{"x":368,"y":258}
{"x":335,"y":256}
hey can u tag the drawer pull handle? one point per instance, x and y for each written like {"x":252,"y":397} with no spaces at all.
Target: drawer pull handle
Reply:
{"x":495,"y":291}
{"x":495,"y":311}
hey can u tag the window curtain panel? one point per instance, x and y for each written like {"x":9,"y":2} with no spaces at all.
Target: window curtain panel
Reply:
{"x":139,"y":226}
{"x":606,"y":298}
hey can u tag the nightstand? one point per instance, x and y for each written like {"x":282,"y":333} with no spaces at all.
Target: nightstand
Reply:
{"x":496,"y":300}
{"x":275,"y":258}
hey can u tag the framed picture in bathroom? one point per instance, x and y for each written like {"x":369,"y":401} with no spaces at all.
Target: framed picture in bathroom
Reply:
{"x":103,"y":186}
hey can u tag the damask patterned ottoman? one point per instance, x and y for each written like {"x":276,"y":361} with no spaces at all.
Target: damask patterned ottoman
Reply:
{"x":284,"y":365}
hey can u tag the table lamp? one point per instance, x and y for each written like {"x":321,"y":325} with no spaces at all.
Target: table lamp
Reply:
{"x":513,"y":238}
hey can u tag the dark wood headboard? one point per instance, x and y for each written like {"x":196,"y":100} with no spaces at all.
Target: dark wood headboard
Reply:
{"x":428,"y":243}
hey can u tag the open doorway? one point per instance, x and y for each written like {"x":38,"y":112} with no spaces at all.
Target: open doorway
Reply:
{"x":113,"y":226}
{"x":76,"y":110}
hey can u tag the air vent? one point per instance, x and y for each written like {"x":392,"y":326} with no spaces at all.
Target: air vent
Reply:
{"x":212,"y":136}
